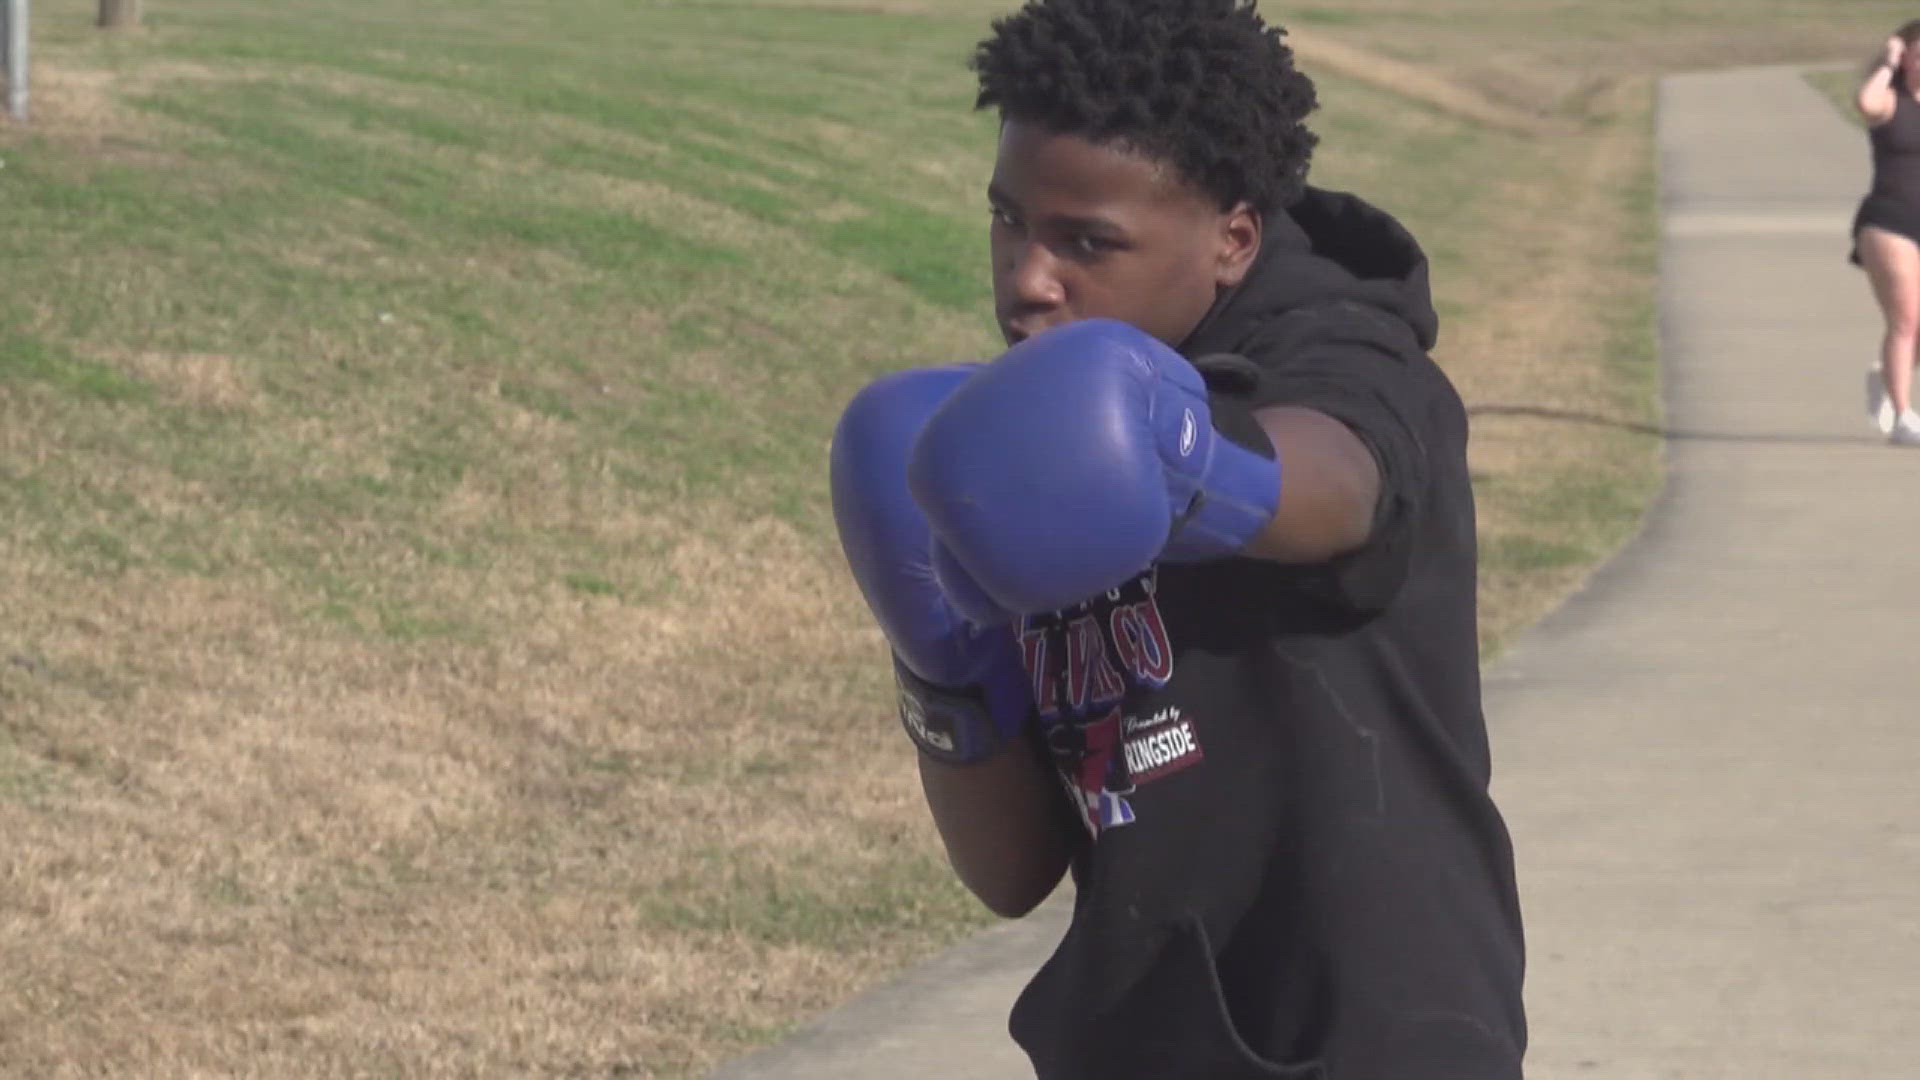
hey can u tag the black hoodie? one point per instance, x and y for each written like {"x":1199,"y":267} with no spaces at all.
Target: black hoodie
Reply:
{"x":1293,"y":867}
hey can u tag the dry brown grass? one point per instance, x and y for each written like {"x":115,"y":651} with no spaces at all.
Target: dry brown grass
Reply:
{"x":1538,"y":361}
{"x":1322,"y":52}
{"x":277,"y":855}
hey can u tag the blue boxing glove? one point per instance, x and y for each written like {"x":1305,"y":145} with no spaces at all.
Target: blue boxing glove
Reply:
{"x":1079,"y":458}
{"x":963,"y":692}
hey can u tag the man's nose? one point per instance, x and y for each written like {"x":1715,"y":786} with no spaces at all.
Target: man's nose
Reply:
{"x":1034,"y":275}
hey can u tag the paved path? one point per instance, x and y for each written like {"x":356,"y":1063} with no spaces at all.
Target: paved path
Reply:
{"x":1710,"y":758}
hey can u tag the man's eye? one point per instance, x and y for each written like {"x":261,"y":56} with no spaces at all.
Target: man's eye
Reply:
{"x":1003,"y":217}
{"x":1089,"y":244}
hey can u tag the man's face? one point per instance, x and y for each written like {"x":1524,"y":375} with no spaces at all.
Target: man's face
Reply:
{"x":1084,"y":231}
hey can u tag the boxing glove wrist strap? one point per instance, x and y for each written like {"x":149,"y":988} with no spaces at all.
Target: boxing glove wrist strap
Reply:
{"x":1236,"y":500}
{"x":952,"y":726}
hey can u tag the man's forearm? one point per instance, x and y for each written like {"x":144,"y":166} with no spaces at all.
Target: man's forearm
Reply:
{"x":1003,"y":827}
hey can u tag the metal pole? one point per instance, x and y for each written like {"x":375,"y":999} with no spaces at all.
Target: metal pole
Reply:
{"x":16,"y":58}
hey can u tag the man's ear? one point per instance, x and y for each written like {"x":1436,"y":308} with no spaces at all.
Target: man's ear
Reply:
{"x":1240,"y":233}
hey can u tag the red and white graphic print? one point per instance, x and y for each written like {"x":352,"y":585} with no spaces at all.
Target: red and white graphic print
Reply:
{"x":1092,"y":668}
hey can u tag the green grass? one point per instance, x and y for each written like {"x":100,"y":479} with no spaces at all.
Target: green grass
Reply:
{"x":369,"y":157}
{"x":1838,"y":85}
{"x":23,"y":778}
{"x":401,"y":254}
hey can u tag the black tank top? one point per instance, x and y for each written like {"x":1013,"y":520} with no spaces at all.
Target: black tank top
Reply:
{"x":1896,"y":152}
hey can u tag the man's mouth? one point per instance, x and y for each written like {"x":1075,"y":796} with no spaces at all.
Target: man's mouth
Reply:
{"x":1016,"y":333}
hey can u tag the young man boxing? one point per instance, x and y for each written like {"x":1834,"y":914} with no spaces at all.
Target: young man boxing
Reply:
{"x":1180,"y":588}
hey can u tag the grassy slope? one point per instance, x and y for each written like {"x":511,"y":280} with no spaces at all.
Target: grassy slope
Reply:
{"x":425,"y":648}
{"x":424,"y":630}
{"x":1838,"y":85}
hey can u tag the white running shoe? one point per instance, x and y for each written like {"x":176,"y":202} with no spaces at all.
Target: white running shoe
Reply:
{"x":1906,"y":430}
{"x":1879,"y":405}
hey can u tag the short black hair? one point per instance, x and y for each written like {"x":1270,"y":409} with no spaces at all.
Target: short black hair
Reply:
{"x":1206,"y":86}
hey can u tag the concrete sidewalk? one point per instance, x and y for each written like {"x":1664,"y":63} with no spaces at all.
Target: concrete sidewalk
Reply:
{"x":1710,"y":758}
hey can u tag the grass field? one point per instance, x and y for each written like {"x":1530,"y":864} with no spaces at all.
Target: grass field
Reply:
{"x":1839,"y":84}
{"x":425,"y":648}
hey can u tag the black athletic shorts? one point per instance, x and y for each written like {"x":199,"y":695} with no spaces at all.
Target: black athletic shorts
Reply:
{"x":1886,"y":213}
